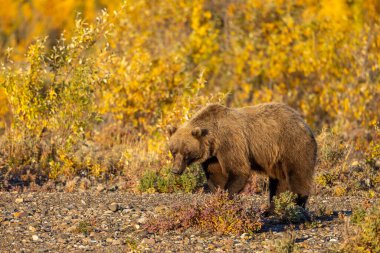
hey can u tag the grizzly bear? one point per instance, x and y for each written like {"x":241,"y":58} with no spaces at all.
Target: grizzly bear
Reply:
{"x":230,"y":143}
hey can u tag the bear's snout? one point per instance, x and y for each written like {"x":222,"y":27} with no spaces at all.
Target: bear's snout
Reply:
{"x":179,"y":165}
{"x":176,"y":171}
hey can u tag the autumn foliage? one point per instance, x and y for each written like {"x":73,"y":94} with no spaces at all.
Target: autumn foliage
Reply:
{"x":89,"y":91}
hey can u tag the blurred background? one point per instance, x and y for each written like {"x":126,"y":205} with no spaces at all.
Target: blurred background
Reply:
{"x":88,"y":87}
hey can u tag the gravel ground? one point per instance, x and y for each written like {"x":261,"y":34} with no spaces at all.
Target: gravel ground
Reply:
{"x":113,"y":222}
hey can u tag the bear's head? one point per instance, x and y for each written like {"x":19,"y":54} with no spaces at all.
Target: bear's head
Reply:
{"x":187,"y":145}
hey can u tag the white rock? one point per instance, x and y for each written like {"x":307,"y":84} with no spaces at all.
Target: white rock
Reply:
{"x":142,"y":220}
{"x":19,"y":200}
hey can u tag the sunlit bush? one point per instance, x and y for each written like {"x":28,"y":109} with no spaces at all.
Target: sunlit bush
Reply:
{"x":116,"y":81}
{"x":52,"y":99}
{"x":364,"y":236}
{"x":218,"y":214}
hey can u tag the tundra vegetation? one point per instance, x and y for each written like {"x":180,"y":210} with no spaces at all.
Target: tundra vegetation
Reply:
{"x":88,"y":87}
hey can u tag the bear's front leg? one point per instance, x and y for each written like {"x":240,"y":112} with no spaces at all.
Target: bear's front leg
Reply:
{"x":237,"y":168}
{"x":216,"y":178}
{"x":236,"y":183}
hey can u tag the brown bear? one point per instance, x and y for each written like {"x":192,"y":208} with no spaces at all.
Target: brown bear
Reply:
{"x":229,"y":143}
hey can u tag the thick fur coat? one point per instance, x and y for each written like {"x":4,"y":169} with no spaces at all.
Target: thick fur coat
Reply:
{"x":229,"y":143}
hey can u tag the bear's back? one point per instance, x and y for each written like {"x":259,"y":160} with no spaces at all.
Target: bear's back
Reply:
{"x":276,"y":111}
{"x":209,"y":113}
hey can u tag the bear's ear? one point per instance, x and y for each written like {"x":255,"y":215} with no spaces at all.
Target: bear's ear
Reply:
{"x":198,"y":132}
{"x":171,"y":130}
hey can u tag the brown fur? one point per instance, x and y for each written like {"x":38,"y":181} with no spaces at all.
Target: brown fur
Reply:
{"x":271,"y":138}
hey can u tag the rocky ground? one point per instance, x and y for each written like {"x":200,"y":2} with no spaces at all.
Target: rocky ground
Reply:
{"x":104,"y":221}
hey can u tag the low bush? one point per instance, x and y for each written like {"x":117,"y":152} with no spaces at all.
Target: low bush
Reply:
{"x":218,"y":213}
{"x":164,"y":181}
{"x":285,"y":207}
{"x":366,"y":230}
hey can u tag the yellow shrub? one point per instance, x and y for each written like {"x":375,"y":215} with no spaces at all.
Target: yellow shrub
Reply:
{"x":153,"y":63}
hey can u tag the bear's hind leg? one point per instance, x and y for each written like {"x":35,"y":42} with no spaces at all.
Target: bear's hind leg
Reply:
{"x":273,"y":183}
{"x":299,"y":185}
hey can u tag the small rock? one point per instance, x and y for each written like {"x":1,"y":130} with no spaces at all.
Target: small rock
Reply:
{"x":142,"y":220}
{"x":31,"y":228}
{"x":61,"y":240}
{"x":42,"y":250}
{"x":148,"y":241}
{"x":127,"y":210}
{"x":333,"y":240}
{"x":116,"y":242}
{"x":109,"y":240}
{"x":137,"y":226}
{"x":19,"y":200}
{"x":100,"y":188}
{"x":114,"y":207}
{"x":108,"y":212}
{"x":35,"y":237}
{"x":377,"y":164}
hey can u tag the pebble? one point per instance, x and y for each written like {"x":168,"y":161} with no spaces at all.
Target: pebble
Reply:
{"x":35,"y":237}
{"x":19,"y":200}
{"x":142,"y":220}
{"x":42,"y":250}
{"x":100,"y":188}
{"x":148,"y":241}
{"x":114,"y":207}
{"x":116,"y":242}
{"x":108,"y":212}
{"x":377,"y":164}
